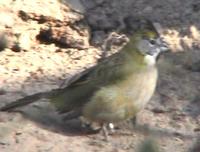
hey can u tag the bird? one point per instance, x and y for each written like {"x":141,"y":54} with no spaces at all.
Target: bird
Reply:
{"x":117,"y":88}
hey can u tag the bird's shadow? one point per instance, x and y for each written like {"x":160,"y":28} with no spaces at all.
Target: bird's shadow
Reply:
{"x":46,"y":117}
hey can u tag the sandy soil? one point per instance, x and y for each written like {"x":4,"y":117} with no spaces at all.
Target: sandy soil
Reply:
{"x":46,"y":43}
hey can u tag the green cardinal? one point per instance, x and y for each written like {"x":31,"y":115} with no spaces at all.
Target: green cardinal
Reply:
{"x":118,"y":87}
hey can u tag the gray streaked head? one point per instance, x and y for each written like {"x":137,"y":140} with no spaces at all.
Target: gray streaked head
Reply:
{"x":152,"y":46}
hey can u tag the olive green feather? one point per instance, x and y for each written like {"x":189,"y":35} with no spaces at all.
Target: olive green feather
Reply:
{"x":114,"y":90}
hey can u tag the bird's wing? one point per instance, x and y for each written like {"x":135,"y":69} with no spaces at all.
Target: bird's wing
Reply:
{"x":79,"y":92}
{"x":105,"y":70}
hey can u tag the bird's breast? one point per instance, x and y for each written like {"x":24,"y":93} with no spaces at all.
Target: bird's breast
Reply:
{"x":122,"y":100}
{"x":140,"y":87}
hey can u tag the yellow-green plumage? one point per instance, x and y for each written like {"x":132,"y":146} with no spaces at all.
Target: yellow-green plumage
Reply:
{"x":112,"y":91}
{"x":123,"y":99}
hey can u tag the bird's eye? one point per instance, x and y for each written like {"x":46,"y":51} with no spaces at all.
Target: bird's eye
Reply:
{"x":152,"y":41}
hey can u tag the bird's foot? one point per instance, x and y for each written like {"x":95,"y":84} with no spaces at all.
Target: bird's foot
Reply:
{"x":107,"y":129}
{"x":90,"y":127}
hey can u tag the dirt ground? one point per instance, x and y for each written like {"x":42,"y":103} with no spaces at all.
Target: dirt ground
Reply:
{"x":46,"y":43}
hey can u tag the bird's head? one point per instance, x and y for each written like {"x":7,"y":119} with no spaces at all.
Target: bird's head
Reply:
{"x":148,"y":45}
{"x":145,"y":36}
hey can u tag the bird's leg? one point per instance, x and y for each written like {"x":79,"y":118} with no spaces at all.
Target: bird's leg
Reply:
{"x":104,"y":131}
{"x":134,"y":121}
{"x":107,"y":129}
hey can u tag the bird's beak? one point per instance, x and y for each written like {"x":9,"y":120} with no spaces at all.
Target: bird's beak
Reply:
{"x":163,"y":45}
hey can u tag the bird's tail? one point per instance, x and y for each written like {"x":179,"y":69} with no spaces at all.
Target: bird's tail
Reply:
{"x":23,"y":101}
